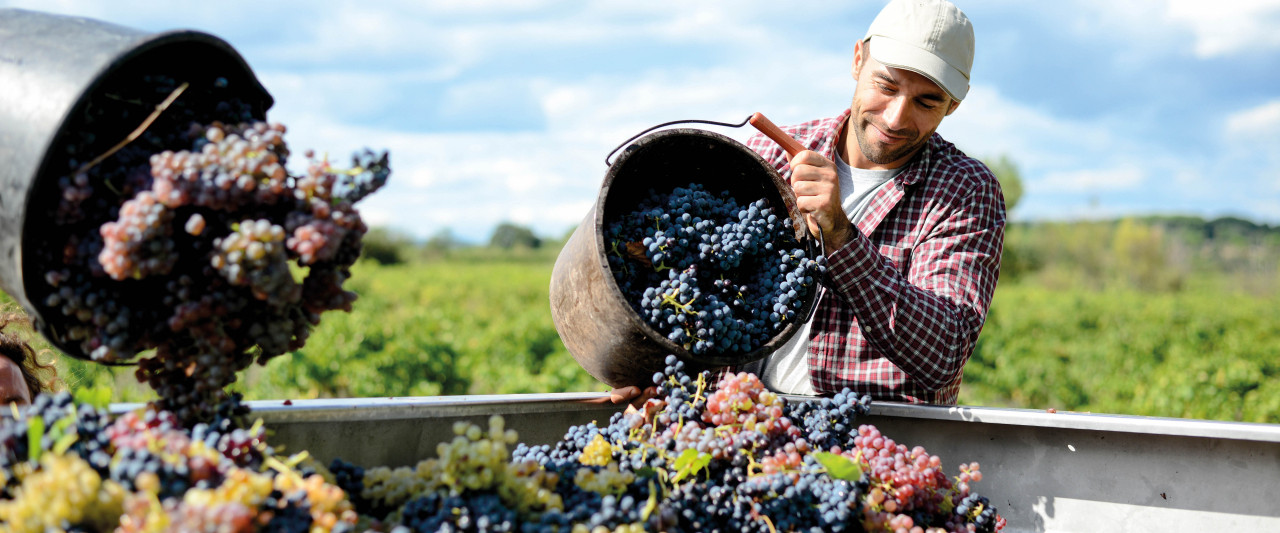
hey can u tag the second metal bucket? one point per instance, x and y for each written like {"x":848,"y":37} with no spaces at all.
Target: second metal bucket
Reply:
{"x":595,"y":322}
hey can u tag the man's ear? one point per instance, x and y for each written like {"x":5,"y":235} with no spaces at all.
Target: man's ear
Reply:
{"x":859,"y":56}
{"x":954,"y":104}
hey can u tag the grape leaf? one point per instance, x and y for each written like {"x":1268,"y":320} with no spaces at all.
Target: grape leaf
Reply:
{"x":839,"y":466}
{"x":690,"y":462}
{"x":35,"y":432}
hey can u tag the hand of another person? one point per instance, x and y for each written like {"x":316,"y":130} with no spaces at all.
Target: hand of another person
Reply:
{"x":632,"y":395}
{"x":817,"y":186}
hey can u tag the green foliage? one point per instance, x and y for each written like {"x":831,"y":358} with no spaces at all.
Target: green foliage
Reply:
{"x":689,"y":463}
{"x":386,"y":246}
{"x":1140,"y":256}
{"x":1202,"y":352}
{"x":441,"y":243}
{"x":839,"y":466}
{"x":508,"y":235}
{"x":1158,"y":316}
{"x":432,"y":328}
{"x":1149,"y":253}
{"x":1010,"y":178}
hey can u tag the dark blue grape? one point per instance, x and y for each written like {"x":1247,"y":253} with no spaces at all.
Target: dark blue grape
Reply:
{"x":716,"y":277}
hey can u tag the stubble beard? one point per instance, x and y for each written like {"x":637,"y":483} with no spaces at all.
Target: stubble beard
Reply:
{"x":877,"y":153}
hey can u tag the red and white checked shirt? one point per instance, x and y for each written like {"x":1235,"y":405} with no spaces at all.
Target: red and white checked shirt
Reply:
{"x":903,"y":303}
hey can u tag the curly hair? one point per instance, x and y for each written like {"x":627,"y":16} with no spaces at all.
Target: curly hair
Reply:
{"x":38,"y":376}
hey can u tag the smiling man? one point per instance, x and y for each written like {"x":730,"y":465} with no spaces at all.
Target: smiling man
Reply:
{"x":913,"y":228}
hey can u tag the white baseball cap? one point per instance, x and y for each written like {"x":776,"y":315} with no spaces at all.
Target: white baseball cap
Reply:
{"x":930,"y":37}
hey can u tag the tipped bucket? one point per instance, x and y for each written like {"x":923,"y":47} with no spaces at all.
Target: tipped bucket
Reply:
{"x":51,"y":67}
{"x":596,"y":323}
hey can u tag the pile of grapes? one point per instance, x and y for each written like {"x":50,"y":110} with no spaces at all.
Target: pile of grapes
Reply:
{"x":724,"y":455}
{"x":191,"y":238}
{"x":712,"y":275}
{"x":70,"y":468}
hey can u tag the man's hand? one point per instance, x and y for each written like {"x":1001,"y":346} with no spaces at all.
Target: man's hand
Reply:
{"x":633,"y":395}
{"x":817,"y":186}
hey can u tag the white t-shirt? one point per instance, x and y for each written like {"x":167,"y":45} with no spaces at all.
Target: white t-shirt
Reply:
{"x":786,"y":370}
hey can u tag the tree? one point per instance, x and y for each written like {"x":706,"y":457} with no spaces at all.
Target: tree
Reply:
{"x":1139,"y":252}
{"x":442,"y":242}
{"x":385,"y":246}
{"x":1016,"y":260}
{"x":508,"y":235}
{"x":1010,"y":178}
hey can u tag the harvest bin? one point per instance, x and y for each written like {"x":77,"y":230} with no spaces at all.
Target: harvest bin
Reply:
{"x":1044,"y":472}
{"x":51,"y":69}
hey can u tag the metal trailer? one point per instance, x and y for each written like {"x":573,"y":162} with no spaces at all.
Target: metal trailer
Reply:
{"x":1074,"y":472}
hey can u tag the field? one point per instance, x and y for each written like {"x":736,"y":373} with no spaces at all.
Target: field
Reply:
{"x":1198,"y":353}
{"x":1117,"y":330}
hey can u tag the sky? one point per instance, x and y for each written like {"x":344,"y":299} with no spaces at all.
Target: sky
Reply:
{"x":505,"y":110}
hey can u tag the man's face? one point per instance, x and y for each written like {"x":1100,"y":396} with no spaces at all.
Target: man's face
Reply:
{"x":894,"y":111}
{"x":12,"y":387}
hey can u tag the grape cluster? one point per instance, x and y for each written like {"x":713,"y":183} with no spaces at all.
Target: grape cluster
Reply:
{"x":711,"y":274}
{"x":194,"y":240}
{"x":68,"y":467}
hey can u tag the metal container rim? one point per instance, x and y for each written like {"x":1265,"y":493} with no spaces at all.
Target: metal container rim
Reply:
{"x":789,"y":201}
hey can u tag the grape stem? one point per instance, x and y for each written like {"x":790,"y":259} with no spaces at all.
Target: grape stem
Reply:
{"x":137,"y":132}
{"x":684,"y":308}
{"x":768,"y":523}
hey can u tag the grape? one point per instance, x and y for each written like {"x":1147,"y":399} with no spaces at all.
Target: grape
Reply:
{"x":145,"y":471}
{"x":63,"y":490}
{"x":194,"y":240}
{"x":709,"y":453}
{"x":713,"y":276}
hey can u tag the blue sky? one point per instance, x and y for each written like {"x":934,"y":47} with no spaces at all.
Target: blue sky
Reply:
{"x":503,"y":110}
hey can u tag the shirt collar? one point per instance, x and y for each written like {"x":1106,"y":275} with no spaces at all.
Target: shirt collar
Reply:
{"x":916,"y":168}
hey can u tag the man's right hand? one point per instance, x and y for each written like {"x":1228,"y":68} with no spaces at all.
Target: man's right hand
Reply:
{"x":816,"y":183}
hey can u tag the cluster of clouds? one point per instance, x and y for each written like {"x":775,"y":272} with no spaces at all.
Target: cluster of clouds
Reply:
{"x":504,"y":110}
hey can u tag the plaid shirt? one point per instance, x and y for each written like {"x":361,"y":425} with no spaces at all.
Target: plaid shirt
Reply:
{"x":903,"y":303}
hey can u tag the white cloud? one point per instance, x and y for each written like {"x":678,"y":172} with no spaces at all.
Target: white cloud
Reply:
{"x":333,"y":66}
{"x":1094,"y":180}
{"x":1214,"y":29}
{"x":1229,"y":26}
{"x":469,"y":182}
{"x":1254,"y":134}
{"x":988,"y":125}
{"x":1260,"y":121}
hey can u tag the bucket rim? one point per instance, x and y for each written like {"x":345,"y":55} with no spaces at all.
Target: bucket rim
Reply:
{"x":807,"y":240}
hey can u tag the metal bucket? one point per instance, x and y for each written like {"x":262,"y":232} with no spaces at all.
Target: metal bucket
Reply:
{"x":50,"y":67}
{"x":601,"y":330}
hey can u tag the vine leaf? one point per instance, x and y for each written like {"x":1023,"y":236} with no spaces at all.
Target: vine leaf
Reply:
{"x":35,"y":432}
{"x":839,"y":466}
{"x":690,"y":462}
{"x":636,"y":252}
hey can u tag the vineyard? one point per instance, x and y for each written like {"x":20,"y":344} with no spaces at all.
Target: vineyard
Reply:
{"x":478,"y":322}
{"x":184,"y":264}
{"x":1198,"y":353}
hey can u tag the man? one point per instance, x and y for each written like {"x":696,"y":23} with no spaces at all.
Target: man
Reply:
{"x":912,"y":227}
